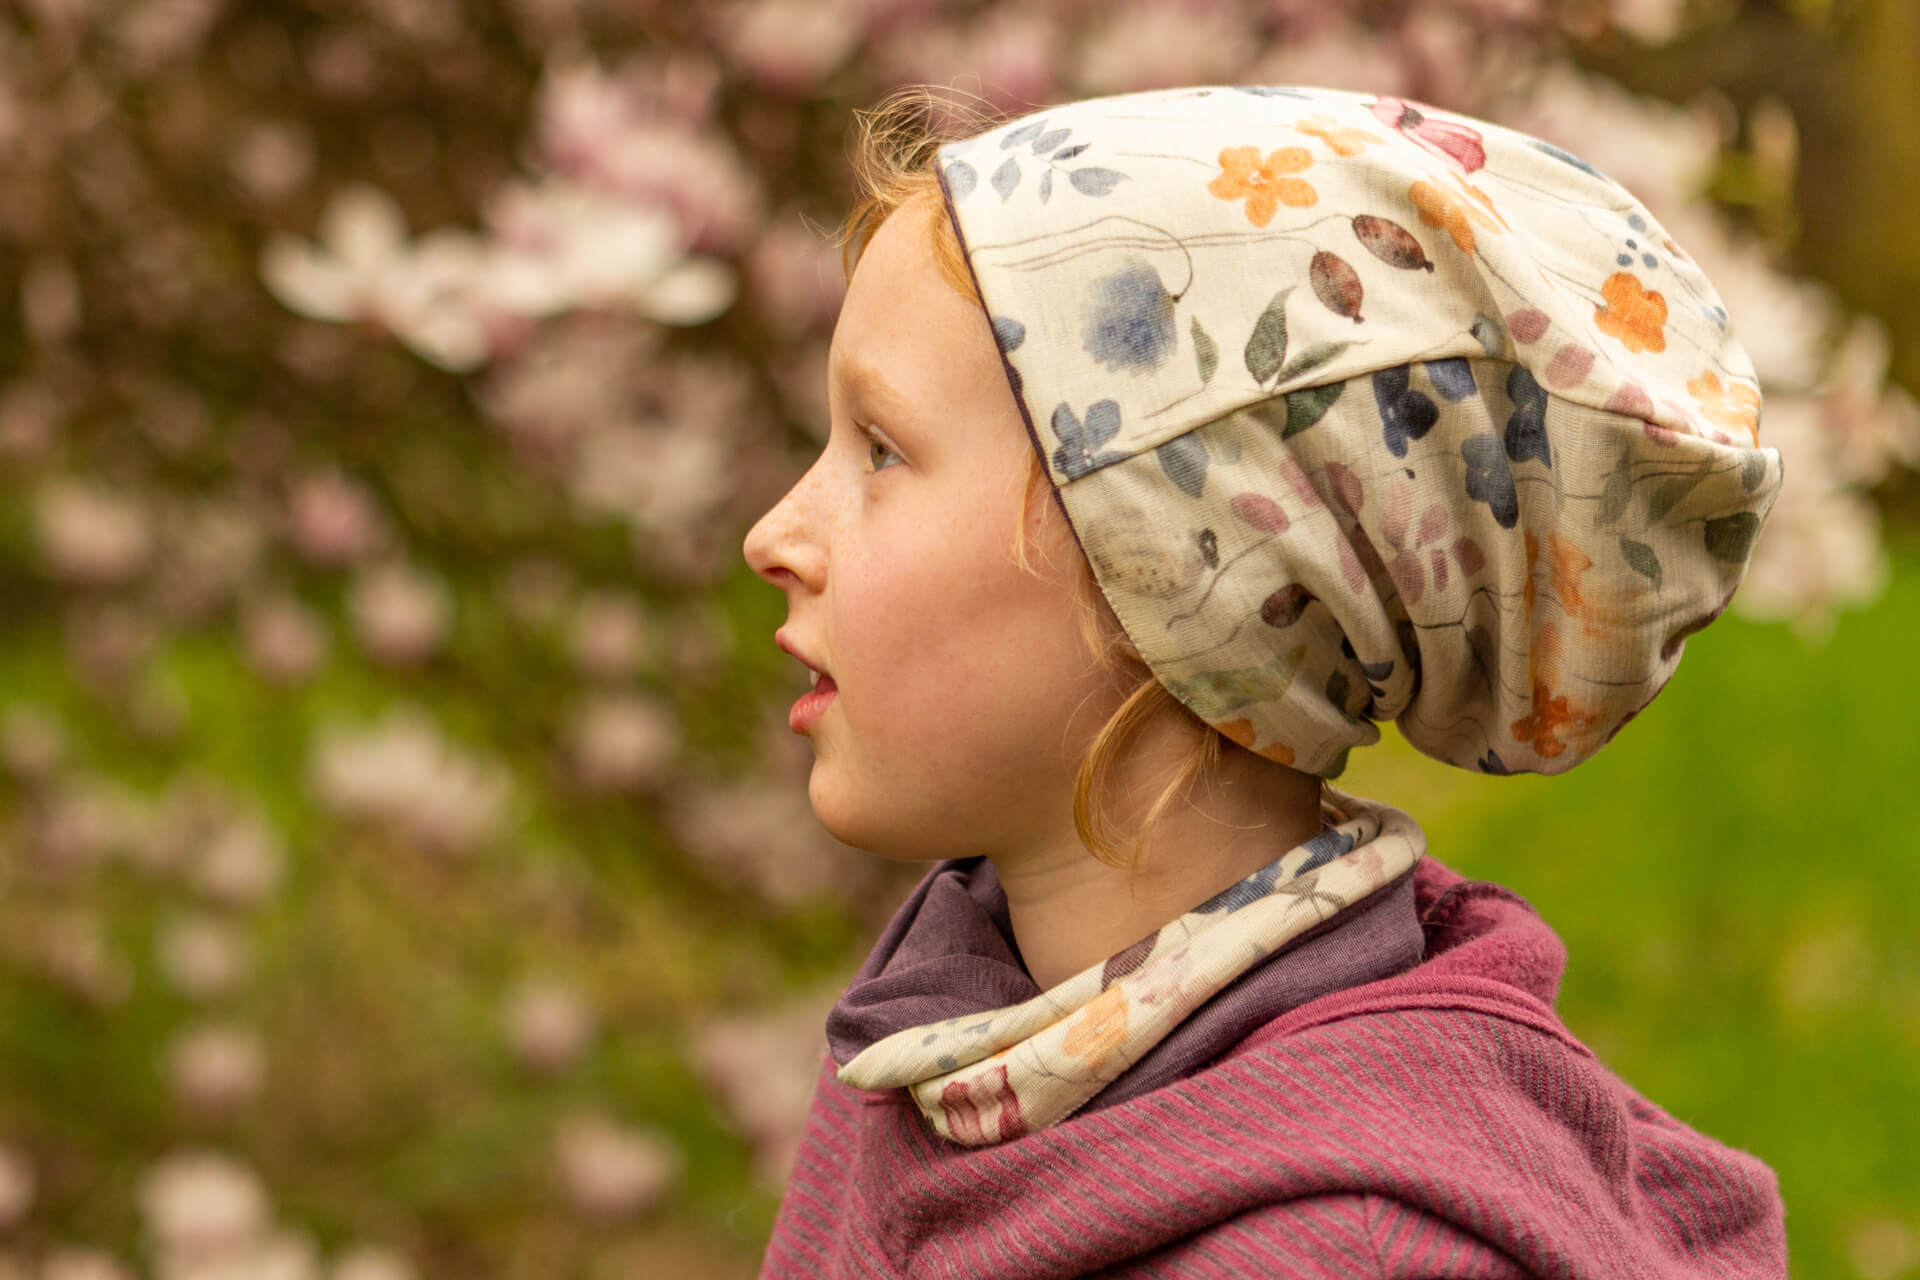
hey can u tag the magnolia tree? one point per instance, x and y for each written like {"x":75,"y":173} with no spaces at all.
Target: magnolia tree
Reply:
{"x":388,"y":389}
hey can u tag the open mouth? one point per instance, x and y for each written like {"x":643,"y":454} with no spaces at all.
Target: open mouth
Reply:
{"x":813,"y":703}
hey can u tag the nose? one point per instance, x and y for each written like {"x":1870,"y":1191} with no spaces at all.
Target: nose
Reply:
{"x":781,"y":547}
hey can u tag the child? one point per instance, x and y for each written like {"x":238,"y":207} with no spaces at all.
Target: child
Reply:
{"x":1349,"y":410}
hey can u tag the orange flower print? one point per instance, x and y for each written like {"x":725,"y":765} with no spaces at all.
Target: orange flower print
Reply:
{"x":1343,"y":139}
{"x":1264,"y":184}
{"x":1540,"y":727}
{"x":1278,"y":752}
{"x":1239,"y":732}
{"x":1097,"y":1030}
{"x":1569,"y":562}
{"x":1734,"y":405}
{"x":1636,"y":315}
{"x":1242,"y":734}
{"x":1454,"y":210}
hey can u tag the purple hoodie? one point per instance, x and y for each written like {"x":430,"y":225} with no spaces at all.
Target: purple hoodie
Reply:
{"x":1350,"y":1107}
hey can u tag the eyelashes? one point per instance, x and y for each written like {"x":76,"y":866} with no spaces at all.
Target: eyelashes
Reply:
{"x":875,"y":447}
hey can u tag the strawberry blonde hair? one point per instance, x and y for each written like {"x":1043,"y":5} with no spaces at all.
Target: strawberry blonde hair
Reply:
{"x":894,"y":154}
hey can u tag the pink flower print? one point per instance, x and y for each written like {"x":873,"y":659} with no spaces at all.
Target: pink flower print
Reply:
{"x":1406,"y":565}
{"x":979,"y":1110}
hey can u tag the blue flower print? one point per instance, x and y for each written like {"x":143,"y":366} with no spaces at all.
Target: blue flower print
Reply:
{"x":1326,"y":846}
{"x":1567,"y":156}
{"x":1076,"y":457}
{"x":961,"y":179}
{"x":1527,"y":424}
{"x":1452,"y":377}
{"x":1252,"y":889}
{"x":1490,"y":478}
{"x":1008,"y":333}
{"x":1408,"y":414}
{"x":1128,"y":320}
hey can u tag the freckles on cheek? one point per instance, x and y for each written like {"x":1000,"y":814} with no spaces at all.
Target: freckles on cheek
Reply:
{"x":942,"y":636}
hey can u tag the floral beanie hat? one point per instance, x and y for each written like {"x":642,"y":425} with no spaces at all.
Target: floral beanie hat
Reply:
{"x":1362,"y":411}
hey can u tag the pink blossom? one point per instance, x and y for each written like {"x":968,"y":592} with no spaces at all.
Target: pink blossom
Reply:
{"x":401,"y":773}
{"x":610,"y":635}
{"x":1154,"y":44}
{"x":549,"y":1024}
{"x":332,"y":520}
{"x":795,"y":274}
{"x":201,"y":956}
{"x":271,"y":159}
{"x":610,"y":1170}
{"x":86,"y":820}
{"x":75,"y":953}
{"x":607,"y":132}
{"x":401,"y":615}
{"x":200,"y":1203}
{"x":82,"y":1262}
{"x":241,"y":866}
{"x":89,"y":535}
{"x":283,"y":639}
{"x":700,"y":177}
{"x":763,"y":836}
{"x":762,"y":1068}
{"x":1821,"y":548}
{"x":623,"y":741}
{"x":216,"y":1067}
{"x":790,"y":46}
{"x":16,"y":1186}
{"x":1338,"y":54}
{"x":155,"y":33}
{"x":575,"y":374}
{"x":1870,"y":424}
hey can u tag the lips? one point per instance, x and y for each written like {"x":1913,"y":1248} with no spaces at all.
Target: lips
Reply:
{"x":812,"y":704}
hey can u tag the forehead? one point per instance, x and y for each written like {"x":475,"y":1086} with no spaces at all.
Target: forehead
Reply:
{"x":902,"y":326}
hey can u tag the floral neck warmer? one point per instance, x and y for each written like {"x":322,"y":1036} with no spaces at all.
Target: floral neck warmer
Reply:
{"x":991,"y":1076}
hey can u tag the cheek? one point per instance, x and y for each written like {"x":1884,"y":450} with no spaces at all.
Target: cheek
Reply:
{"x":956,"y":652}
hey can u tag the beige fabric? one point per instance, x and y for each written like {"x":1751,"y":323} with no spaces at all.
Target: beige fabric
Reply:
{"x":1362,"y":411}
{"x":995,"y":1075}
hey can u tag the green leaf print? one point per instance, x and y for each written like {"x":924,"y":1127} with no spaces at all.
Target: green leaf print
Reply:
{"x":1213,"y":695}
{"x":1308,"y":405}
{"x":1267,"y":345}
{"x":1206,"y":352}
{"x":1640,"y":556}
{"x":1731,"y":537}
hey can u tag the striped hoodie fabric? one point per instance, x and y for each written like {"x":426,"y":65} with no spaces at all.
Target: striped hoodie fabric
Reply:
{"x":1439,"y":1122}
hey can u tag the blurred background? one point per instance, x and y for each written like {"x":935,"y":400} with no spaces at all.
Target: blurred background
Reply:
{"x":405,"y":867}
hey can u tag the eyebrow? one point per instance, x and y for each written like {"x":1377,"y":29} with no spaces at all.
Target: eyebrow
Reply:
{"x":865,"y":378}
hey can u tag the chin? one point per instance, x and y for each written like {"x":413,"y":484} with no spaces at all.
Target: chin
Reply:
{"x":857,"y":825}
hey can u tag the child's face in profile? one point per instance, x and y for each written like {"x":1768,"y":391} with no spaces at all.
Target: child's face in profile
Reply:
{"x":964,"y":695}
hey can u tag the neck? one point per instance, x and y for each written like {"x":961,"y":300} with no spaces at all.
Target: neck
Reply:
{"x":1070,"y":911}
